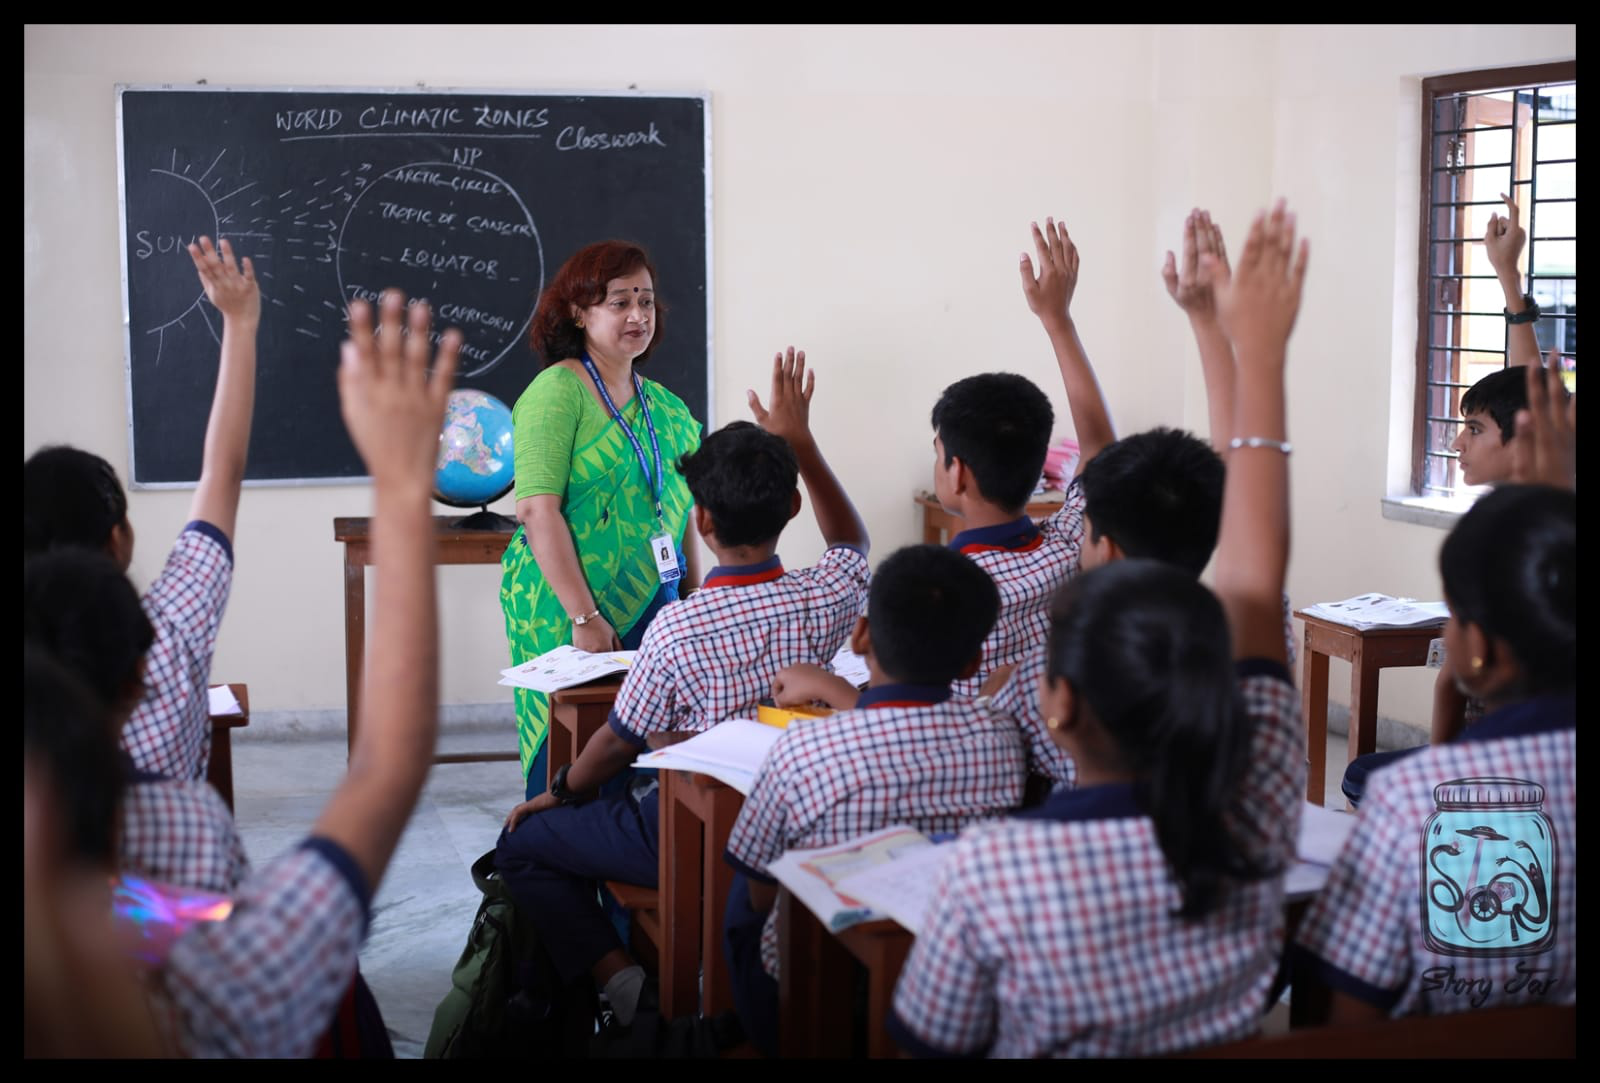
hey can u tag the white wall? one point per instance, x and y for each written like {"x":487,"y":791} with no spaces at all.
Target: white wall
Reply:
{"x":873,"y":187}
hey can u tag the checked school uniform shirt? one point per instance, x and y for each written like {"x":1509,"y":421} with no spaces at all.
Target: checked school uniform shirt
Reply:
{"x":178,"y":831}
{"x":170,"y":731}
{"x":1458,"y":887}
{"x":264,"y":982}
{"x":713,"y":655}
{"x":905,"y":754}
{"x":1055,"y":933}
{"x":1028,"y":564}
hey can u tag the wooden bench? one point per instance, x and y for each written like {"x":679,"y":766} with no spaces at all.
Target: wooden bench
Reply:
{"x":219,"y":770}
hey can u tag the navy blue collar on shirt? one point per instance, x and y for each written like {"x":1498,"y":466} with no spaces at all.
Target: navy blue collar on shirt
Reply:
{"x":1017,"y":534}
{"x":1111,"y":801}
{"x":903,"y":695}
{"x":1542,"y":714}
{"x":741,"y":575}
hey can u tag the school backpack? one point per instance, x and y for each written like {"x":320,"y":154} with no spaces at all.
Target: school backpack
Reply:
{"x":505,"y":1000}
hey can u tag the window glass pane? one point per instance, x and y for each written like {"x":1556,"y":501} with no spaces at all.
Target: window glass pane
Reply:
{"x":1555,"y":258}
{"x":1556,"y":181}
{"x":1555,"y":220}
{"x":1557,"y":141}
{"x":1559,"y":102}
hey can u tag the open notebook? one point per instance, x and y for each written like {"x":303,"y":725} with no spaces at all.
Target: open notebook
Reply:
{"x":565,"y":667}
{"x":730,"y":752}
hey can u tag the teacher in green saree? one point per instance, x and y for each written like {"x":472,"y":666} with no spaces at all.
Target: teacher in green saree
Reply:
{"x":602,"y":506}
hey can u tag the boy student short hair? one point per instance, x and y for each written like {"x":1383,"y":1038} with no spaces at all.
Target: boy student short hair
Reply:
{"x":66,"y":735}
{"x":1146,"y":647}
{"x":69,"y":497}
{"x":745,"y":477}
{"x":1500,"y":395}
{"x":1157,"y":494}
{"x":929,"y":610}
{"x":79,"y":606}
{"x":998,"y":423}
{"x":1510,"y":566}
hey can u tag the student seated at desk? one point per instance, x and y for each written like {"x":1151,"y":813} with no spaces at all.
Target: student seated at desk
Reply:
{"x":263,"y":981}
{"x":72,"y":498}
{"x":706,"y":658}
{"x":1458,"y":888}
{"x":1142,"y":913}
{"x":907,"y":752}
{"x":79,"y":606}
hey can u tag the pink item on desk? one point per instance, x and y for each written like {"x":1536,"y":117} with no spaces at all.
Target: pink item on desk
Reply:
{"x":1061,"y":462}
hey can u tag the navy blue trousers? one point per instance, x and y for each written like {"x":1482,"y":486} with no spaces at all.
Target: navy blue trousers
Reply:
{"x":755,"y":992}
{"x":554,"y":860}
{"x":1361,"y":768}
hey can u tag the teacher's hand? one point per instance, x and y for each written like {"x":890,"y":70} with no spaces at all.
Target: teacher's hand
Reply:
{"x":596,"y":636}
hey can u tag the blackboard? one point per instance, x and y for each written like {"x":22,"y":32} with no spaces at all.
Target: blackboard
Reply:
{"x":471,"y":199}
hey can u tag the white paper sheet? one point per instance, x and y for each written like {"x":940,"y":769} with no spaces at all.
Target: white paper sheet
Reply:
{"x":812,"y":875}
{"x":902,"y":888}
{"x":1323,"y":832}
{"x":222,"y":700}
{"x":730,"y":752}
{"x":851,"y":666}
{"x":1372,"y":611}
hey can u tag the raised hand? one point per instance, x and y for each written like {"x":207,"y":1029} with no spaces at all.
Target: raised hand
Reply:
{"x":391,"y":404}
{"x":1504,"y":239}
{"x":1049,"y":294}
{"x":789,"y":414}
{"x":1190,"y":283}
{"x":1258,"y":301}
{"x":1544,"y":449}
{"x":229,"y":287}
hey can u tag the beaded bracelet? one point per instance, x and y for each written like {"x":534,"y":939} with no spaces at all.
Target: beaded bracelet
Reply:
{"x":1259,"y":441}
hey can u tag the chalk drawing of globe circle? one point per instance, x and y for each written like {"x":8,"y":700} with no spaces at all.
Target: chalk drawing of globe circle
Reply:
{"x":459,"y":236}
{"x":160,"y":229}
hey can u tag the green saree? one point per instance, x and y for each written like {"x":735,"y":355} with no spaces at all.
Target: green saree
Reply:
{"x":568,"y":445}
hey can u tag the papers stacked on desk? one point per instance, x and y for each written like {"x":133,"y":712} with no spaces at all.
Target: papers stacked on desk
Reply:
{"x":1367,"y":612}
{"x":851,"y":666}
{"x":565,"y":667}
{"x":1323,"y":832}
{"x":730,"y":752}
{"x":885,"y":875}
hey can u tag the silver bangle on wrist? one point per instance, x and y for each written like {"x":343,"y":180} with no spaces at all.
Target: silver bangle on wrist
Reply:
{"x":1259,"y":441}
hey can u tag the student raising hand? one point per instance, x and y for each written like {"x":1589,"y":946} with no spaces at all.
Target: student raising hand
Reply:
{"x":1190,"y":286}
{"x":1256,"y":304}
{"x":1544,"y":450}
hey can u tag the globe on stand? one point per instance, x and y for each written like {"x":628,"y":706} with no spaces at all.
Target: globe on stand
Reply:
{"x":476,"y":461}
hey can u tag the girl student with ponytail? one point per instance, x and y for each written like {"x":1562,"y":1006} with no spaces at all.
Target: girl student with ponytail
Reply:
{"x":1458,"y":888}
{"x":1142,"y":912}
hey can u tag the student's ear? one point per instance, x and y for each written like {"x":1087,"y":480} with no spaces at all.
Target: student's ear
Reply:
{"x":972,"y":666}
{"x":960,"y":477}
{"x":861,"y":638}
{"x":1479,"y":666}
{"x":1059,"y":705}
{"x":1501,"y":671}
{"x":119,"y":545}
{"x":1110,"y":549}
{"x":794,"y":504}
{"x":702,"y":523}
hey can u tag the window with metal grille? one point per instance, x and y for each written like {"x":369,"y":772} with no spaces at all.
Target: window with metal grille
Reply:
{"x":1512,"y":130}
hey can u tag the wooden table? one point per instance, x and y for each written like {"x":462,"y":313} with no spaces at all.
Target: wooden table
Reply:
{"x":454,"y":546}
{"x":697,"y":816}
{"x":1368,"y":653}
{"x":219,"y":771}
{"x":939,"y":525}
{"x":816,"y":981}
{"x":575,"y":715}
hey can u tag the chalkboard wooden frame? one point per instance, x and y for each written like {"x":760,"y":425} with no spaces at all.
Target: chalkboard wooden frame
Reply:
{"x":693,"y":162}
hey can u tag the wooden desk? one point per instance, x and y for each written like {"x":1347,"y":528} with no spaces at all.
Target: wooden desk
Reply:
{"x":454,"y":546}
{"x":938,"y":525}
{"x":816,"y":975}
{"x":697,"y":816}
{"x":1368,"y":653}
{"x":575,"y":715}
{"x":219,"y":771}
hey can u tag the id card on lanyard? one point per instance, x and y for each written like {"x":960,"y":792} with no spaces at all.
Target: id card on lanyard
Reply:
{"x":663,"y":550}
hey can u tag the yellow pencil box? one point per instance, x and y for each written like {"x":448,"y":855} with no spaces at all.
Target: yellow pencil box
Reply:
{"x":782,"y":716}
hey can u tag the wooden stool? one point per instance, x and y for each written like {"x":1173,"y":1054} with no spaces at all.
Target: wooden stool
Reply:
{"x":1368,"y":653}
{"x":939,"y":525}
{"x":219,"y":771}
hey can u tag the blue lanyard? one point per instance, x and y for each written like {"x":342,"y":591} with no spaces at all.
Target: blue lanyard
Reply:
{"x":654,"y":481}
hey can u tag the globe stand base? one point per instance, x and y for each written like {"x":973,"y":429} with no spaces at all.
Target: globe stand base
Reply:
{"x":486,"y":520}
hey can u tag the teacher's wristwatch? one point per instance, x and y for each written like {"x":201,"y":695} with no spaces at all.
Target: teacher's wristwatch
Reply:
{"x":586,"y":617}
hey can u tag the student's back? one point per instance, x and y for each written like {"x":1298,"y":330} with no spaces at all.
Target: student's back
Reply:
{"x":1458,"y":888}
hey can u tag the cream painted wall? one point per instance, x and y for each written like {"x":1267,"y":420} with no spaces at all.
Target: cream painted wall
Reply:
{"x":872,"y":190}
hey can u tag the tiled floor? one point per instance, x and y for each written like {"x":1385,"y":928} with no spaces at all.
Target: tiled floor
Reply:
{"x":427,"y":900}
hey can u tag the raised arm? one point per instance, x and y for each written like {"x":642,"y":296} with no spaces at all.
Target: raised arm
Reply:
{"x":1503,"y":241}
{"x":1189,"y":285}
{"x":1545,"y":446}
{"x":393,"y":408}
{"x":1049,"y":297}
{"x":232,"y":289}
{"x":1257,"y":305}
{"x":789,"y":416}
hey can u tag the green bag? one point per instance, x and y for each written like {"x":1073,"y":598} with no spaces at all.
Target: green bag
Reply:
{"x":505,"y":999}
